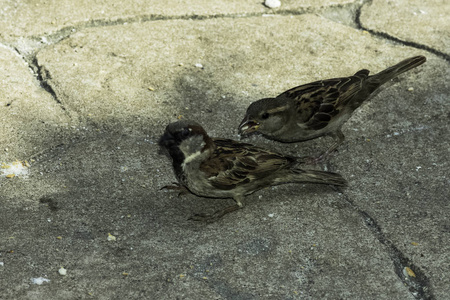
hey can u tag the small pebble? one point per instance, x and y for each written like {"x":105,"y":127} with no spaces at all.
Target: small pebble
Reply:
{"x":39,"y":280}
{"x":408,"y":272}
{"x":272,"y":3}
{"x":62,"y":271}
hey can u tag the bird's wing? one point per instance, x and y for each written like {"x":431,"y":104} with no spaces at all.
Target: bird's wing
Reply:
{"x":317,"y":102}
{"x":234,"y":163}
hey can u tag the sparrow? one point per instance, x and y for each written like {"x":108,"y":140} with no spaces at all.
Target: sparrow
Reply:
{"x":318,"y":108}
{"x":224,"y":168}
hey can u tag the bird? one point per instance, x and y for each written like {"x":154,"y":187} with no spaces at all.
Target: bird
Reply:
{"x":224,"y":168}
{"x":318,"y":108}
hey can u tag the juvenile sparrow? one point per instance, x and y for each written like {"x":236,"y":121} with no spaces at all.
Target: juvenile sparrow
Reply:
{"x":222,"y":168}
{"x":317,"y":108}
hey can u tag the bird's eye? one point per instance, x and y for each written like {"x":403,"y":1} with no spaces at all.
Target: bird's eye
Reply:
{"x":265,"y":116}
{"x":185,"y":132}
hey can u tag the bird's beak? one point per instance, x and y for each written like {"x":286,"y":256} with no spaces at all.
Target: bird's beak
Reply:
{"x":247,"y":126}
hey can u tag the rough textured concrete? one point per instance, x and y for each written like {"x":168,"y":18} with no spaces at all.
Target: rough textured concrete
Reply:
{"x":85,"y":108}
{"x":42,"y":17}
{"x":429,"y":20}
{"x":30,"y":116}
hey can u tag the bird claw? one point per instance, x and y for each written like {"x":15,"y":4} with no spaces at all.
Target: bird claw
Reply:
{"x":176,"y":186}
{"x":339,"y":139}
{"x":319,"y":159}
{"x":314,"y":160}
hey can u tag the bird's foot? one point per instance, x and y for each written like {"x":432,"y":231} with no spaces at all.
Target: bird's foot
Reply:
{"x":339,"y":139}
{"x":314,"y":160}
{"x":182,"y":190}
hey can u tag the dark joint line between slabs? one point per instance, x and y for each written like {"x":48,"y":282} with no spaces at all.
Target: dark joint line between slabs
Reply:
{"x":418,"y":286}
{"x":397,"y":40}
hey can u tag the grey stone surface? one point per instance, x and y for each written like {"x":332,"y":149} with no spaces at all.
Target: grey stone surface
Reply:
{"x":422,"y":22}
{"x":36,"y":18}
{"x":29,"y":115}
{"x":162,"y":56}
{"x":88,"y":120}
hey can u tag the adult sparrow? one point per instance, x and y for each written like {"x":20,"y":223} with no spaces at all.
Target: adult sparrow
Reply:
{"x":317,"y":108}
{"x":222,"y":168}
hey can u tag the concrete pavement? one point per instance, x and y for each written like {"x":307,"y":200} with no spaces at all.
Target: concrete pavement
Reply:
{"x":88,"y":88}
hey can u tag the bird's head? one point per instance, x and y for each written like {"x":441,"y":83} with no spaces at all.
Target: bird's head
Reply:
{"x":267,"y":116}
{"x":185,"y":140}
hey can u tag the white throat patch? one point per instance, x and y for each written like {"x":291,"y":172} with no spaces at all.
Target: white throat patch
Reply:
{"x":192,"y":148}
{"x":192,"y":157}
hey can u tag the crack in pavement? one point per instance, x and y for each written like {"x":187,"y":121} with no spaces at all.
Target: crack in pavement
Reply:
{"x":411,"y":275}
{"x":353,"y":20}
{"x":66,"y":32}
{"x":43,"y":75}
{"x":353,"y":7}
{"x":389,"y":37}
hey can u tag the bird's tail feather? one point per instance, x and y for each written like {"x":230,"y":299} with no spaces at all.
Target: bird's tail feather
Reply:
{"x":321,"y":177}
{"x":392,"y":72}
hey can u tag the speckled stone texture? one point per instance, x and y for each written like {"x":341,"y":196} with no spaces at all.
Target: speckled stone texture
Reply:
{"x":88,"y":88}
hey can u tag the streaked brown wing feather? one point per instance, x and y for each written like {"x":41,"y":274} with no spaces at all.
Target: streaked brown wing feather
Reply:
{"x":319,"y":101}
{"x":234,"y":163}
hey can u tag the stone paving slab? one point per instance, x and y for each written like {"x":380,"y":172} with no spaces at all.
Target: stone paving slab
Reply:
{"x":429,"y":20}
{"x":402,"y":182}
{"x":154,"y":75}
{"x":29,"y":115}
{"x":35,"y":18}
{"x":284,"y":244}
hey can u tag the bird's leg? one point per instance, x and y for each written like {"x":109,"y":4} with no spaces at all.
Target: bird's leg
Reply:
{"x":177,"y":187}
{"x":339,"y":138}
{"x":218,"y":214}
